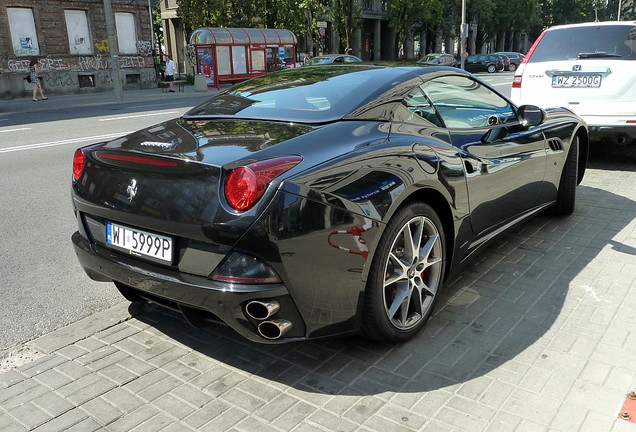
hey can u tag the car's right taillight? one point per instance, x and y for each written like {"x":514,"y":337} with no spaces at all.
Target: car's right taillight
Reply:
{"x":516,"y":81}
{"x":246,"y":185}
{"x":79,"y":160}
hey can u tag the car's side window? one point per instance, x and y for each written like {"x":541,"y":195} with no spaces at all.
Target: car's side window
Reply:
{"x":338,"y":60}
{"x":416,"y":108}
{"x":465,"y":103}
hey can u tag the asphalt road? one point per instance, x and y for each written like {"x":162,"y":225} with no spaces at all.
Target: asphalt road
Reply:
{"x":41,"y":284}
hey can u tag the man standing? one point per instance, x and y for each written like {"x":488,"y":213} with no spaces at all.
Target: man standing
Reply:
{"x":169,"y":72}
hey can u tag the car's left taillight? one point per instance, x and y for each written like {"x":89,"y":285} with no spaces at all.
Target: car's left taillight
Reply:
{"x":79,"y":160}
{"x":246,"y":185}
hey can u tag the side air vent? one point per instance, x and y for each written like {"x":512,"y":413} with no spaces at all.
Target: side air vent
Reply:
{"x":555,"y":144}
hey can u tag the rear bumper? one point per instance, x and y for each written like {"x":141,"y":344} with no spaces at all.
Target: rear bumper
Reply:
{"x":201,"y":300}
{"x":618,"y":134}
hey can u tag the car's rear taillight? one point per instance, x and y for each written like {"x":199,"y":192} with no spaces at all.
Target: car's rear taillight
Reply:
{"x":242,"y":268}
{"x":247,"y":184}
{"x":79,"y":160}
{"x":516,"y":81}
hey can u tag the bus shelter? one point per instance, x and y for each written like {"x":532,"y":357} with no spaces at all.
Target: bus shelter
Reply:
{"x":236,"y":54}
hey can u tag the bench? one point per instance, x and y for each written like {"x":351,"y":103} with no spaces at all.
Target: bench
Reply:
{"x":165,"y":85}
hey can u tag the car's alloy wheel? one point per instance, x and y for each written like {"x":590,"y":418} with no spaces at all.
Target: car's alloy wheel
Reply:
{"x":512,"y":67}
{"x":406,"y":275}
{"x":491,"y":69}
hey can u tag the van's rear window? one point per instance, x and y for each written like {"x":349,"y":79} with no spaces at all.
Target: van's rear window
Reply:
{"x":614,"y":42}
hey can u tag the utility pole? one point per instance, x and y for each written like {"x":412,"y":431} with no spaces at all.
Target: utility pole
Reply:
{"x":463,"y":33}
{"x":113,"y":49}
{"x":620,"y":4}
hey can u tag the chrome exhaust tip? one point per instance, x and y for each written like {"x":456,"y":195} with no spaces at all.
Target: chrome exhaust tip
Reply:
{"x":274,"y":329}
{"x":261,"y":310}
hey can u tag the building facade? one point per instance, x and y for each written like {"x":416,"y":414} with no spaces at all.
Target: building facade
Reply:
{"x":70,"y":40}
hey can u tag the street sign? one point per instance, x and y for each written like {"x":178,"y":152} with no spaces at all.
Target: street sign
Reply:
{"x":321,"y":30}
{"x":322,"y":24}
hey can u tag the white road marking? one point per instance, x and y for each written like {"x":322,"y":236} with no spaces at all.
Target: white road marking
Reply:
{"x":502,"y":84}
{"x":14,"y":130}
{"x":68,"y":141}
{"x":138,"y":116}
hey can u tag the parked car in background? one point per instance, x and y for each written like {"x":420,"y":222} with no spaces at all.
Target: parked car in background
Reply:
{"x":438,"y":60}
{"x":515,"y":59}
{"x":281,"y":207}
{"x":490,"y":63}
{"x":333,"y":58}
{"x":506,"y":62}
{"x":589,"y":68}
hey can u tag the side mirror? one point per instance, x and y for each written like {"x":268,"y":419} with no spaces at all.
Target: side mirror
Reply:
{"x":530,"y":115}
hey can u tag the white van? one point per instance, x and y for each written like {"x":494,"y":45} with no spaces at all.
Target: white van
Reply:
{"x":589,"y":68}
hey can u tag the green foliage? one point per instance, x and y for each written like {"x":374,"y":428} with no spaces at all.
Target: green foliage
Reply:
{"x":298,"y":16}
{"x":346,"y":17}
{"x":407,"y":15}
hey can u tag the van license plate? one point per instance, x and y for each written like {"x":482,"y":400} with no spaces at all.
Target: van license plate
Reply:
{"x":139,"y":243}
{"x":576,"y":81}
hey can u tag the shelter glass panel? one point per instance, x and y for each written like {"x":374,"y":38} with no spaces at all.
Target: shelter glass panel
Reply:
{"x":223,"y":60}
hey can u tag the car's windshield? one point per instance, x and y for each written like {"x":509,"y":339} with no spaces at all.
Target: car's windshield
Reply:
{"x":311,"y":95}
{"x":617,"y":42}
{"x":429,"y":58}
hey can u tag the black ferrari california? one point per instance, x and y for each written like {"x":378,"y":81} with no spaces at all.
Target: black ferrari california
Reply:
{"x":320,"y":201}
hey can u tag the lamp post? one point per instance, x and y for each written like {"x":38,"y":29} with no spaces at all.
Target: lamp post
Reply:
{"x":113,"y":49}
{"x":463,"y":33}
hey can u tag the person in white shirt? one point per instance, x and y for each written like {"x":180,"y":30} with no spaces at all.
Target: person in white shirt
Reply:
{"x":169,"y":72}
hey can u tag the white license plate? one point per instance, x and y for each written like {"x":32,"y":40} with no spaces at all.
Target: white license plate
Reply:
{"x":576,"y":81}
{"x":139,"y":243}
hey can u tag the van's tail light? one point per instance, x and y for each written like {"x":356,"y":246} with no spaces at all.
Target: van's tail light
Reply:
{"x":79,"y":160}
{"x":516,"y":81}
{"x":247,"y":184}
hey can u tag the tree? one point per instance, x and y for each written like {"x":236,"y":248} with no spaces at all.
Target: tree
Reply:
{"x":405,"y":14}
{"x":345,"y":16}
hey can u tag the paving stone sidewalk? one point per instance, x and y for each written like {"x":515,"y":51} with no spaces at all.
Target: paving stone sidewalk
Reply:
{"x":536,"y":335}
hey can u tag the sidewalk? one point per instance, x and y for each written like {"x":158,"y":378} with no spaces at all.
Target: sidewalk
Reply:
{"x":61,"y":102}
{"x":536,"y":335}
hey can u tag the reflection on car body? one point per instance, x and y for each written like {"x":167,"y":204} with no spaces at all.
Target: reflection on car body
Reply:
{"x":320,"y":201}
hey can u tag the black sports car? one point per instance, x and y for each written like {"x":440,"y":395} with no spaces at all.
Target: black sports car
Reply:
{"x":320,"y":201}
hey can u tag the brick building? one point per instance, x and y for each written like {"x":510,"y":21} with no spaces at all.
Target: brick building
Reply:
{"x":70,"y":39}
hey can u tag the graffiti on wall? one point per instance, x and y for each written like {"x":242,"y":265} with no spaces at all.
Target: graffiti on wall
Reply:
{"x":103,"y":46}
{"x":59,"y":79}
{"x":144,"y":47}
{"x":84,"y":63}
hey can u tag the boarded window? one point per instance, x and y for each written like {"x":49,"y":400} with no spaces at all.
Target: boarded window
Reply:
{"x":23,"y":34}
{"x":79,"y":37}
{"x":126,"y":34}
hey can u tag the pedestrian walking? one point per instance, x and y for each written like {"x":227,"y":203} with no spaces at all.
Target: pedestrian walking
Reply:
{"x":34,"y":70}
{"x":169,"y":72}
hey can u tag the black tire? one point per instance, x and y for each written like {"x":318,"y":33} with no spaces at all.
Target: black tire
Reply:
{"x":403,"y":284}
{"x":512,"y":67}
{"x":491,"y":69}
{"x":566,"y":195}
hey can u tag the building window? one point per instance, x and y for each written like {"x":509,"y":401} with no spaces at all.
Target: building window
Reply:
{"x":79,"y":38}
{"x":23,"y":34}
{"x":367,"y":5}
{"x":126,"y":34}
{"x":86,"y":81}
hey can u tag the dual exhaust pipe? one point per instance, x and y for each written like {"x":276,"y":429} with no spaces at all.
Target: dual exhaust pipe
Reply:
{"x":263,"y":311}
